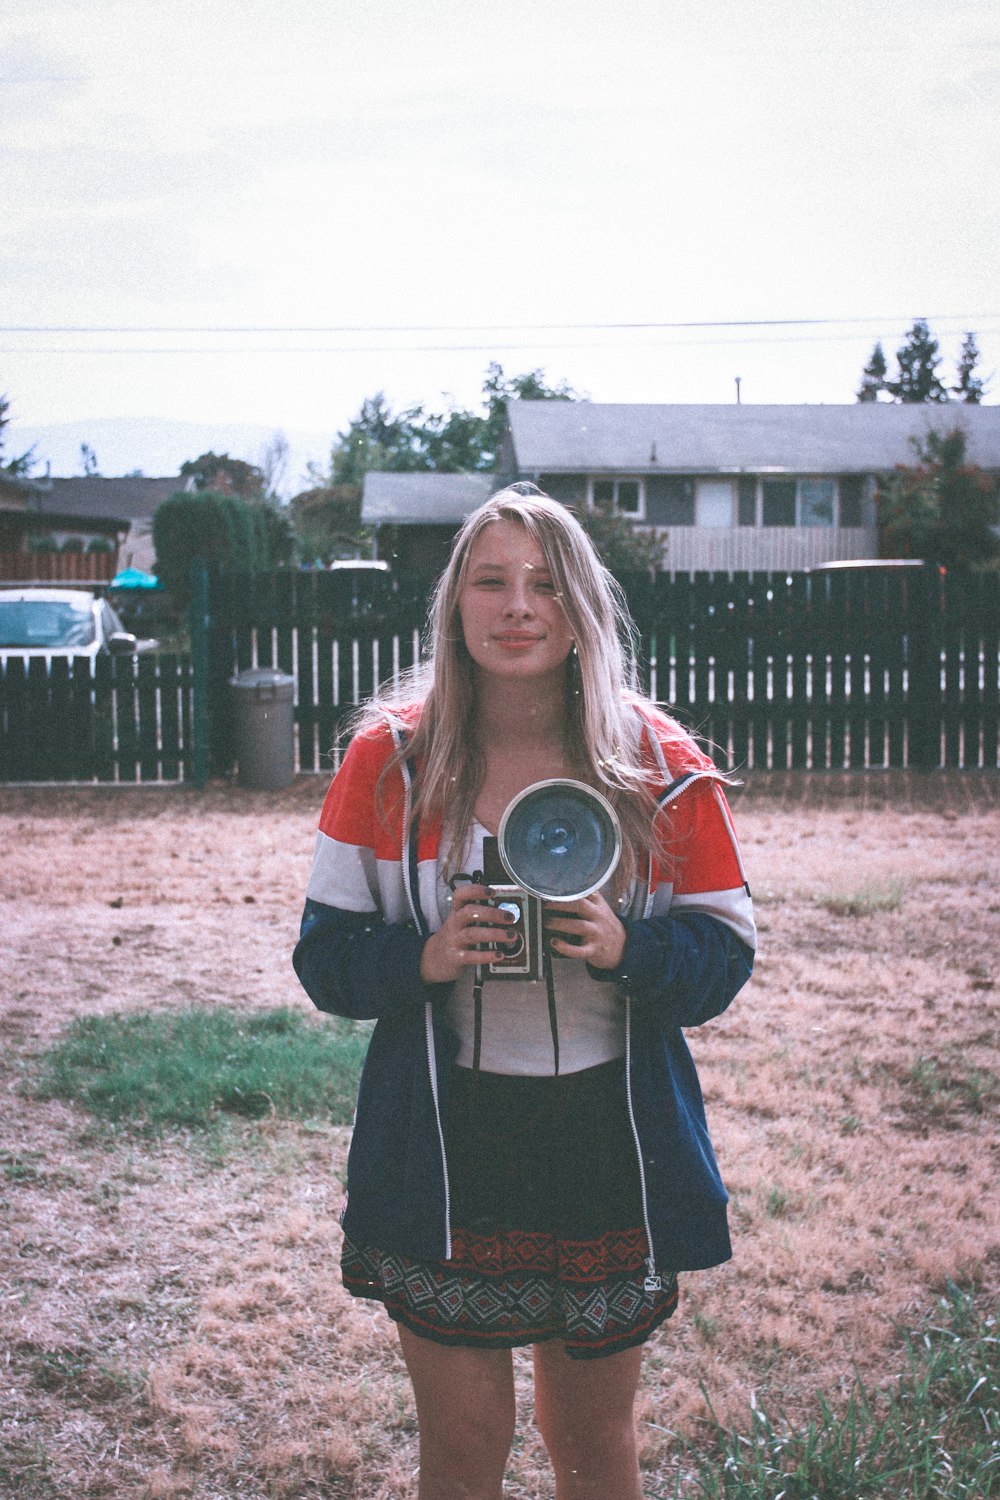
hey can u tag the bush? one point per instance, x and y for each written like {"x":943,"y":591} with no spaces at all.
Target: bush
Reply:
{"x":206,"y":527}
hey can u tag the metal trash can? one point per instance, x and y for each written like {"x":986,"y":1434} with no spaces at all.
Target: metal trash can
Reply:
{"x":264,"y":723}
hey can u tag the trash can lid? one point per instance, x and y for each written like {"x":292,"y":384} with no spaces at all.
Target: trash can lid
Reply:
{"x":255,"y":678}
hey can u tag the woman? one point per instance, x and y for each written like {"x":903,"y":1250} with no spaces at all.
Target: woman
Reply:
{"x":530,"y":1162}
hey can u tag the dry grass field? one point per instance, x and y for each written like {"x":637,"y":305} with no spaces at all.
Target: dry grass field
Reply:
{"x":171,"y":1318}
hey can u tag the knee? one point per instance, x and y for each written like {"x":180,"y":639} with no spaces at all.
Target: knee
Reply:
{"x":472,"y":1443}
{"x":578,"y":1444}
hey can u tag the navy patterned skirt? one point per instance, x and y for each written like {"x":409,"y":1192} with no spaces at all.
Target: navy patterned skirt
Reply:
{"x":547,"y":1236}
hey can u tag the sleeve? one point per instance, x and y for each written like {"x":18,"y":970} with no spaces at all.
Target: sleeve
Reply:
{"x":691,"y":960}
{"x":350,"y":960}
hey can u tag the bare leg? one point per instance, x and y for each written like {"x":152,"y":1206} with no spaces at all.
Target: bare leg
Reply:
{"x":584,"y":1410}
{"x":465,"y":1412}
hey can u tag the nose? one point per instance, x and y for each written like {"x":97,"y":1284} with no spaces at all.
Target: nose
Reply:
{"x":518,"y":602}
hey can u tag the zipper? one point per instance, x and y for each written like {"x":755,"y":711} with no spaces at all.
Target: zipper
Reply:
{"x":432,"y":1064}
{"x":428,"y":1008}
{"x":652,"y":1282}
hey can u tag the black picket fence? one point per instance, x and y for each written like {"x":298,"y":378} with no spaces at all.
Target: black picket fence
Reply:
{"x":841,"y":669}
{"x":109,"y":718}
{"x":845,"y":669}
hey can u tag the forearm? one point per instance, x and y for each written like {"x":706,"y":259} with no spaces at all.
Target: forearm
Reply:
{"x":689,"y":966}
{"x":354,"y":964}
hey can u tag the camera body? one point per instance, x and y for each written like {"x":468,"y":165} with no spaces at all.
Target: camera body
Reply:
{"x":524,"y":961}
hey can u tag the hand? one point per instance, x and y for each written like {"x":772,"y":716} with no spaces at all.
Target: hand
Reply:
{"x":599,"y":935}
{"x":456,"y":944}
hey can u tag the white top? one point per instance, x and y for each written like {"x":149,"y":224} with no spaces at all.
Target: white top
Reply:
{"x":516,"y":1036}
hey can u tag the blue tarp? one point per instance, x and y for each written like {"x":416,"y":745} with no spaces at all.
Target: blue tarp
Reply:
{"x":134,"y":578}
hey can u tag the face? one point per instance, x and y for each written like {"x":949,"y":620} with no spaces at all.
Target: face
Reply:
{"x":514,"y":626}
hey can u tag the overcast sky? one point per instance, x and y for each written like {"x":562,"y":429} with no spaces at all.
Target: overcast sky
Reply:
{"x":477,"y":171}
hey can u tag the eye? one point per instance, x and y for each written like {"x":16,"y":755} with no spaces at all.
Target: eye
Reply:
{"x":489,"y":581}
{"x":545,"y":585}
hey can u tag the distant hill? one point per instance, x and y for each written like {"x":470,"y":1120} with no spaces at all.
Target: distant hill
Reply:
{"x":159,"y":447}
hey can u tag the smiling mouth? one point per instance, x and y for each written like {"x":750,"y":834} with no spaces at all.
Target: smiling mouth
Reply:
{"x":516,"y":640}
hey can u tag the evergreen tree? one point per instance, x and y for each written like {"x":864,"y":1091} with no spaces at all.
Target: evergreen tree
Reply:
{"x":873,"y":375}
{"x":16,"y":467}
{"x":969,"y":387}
{"x":917,"y":360}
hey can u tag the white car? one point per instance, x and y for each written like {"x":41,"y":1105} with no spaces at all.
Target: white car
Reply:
{"x":36,"y":620}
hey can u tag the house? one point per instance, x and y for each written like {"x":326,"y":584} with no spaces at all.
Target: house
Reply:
{"x":129,"y":503}
{"x":734,"y":488}
{"x":87,"y":512}
{"x":415,"y":516}
{"x":726,"y":488}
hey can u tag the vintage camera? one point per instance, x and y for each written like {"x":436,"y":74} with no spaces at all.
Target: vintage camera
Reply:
{"x":524,"y":959}
{"x":558,"y":840}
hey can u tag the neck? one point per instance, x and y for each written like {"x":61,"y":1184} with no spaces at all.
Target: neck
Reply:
{"x":521,"y":713}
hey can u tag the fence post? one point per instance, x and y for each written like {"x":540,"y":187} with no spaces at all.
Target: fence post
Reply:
{"x":923,"y":699}
{"x":199,"y":623}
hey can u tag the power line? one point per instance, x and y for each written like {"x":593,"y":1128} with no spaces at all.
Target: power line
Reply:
{"x":236,"y":328}
{"x":494,"y":348}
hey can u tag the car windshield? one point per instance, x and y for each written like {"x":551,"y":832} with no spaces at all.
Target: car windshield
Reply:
{"x":45,"y":622}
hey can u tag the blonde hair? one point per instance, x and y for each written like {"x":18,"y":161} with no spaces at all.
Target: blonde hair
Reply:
{"x":603,"y":730}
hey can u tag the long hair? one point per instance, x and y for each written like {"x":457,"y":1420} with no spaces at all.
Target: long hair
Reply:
{"x":603,"y":731}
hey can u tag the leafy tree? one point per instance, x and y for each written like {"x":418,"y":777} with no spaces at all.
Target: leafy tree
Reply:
{"x":942,"y":508}
{"x":917,"y":360}
{"x":225,"y":475}
{"x":454,"y":440}
{"x":499,"y":389}
{"x":207,"y":527}
{"x":18,"y":467}
{"x":377,"y":438}
{"x":969,"y":387}
{"x":873,"y":375}
{"x":326,"y":521}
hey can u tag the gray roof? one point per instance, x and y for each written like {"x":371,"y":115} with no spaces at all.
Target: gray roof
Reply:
{"x":428,"y":499}
{"x":92,"y":497}
{"x":866,"y":437}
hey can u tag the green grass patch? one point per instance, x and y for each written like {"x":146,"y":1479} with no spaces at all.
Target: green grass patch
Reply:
{"x":871,"y":897}
{"x":190,"y":1067}
{"x":945,"y":1084}
{"x":934,"y":1435}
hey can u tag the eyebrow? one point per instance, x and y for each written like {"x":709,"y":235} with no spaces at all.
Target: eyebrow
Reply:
{"x":500,"y":567}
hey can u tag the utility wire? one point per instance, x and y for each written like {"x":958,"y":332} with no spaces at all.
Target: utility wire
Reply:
{"x":481,"y":327}
{"x":496,"y":347}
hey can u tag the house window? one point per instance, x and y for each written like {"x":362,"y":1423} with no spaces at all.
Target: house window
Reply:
{"x":670,"y":500}
{"x":816,"y":502}
{"x":715,"y":502}
{"x":798,"y":502}
{"x":748,"y":500}
{"x":620,"y":496}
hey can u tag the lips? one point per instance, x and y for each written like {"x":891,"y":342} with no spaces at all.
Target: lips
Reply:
{"x":516,"y":638}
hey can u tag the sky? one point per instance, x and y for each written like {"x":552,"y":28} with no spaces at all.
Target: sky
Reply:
{"x":249,"y":216}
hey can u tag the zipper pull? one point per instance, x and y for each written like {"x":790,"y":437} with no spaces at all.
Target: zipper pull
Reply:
{"x":652,"y":1282}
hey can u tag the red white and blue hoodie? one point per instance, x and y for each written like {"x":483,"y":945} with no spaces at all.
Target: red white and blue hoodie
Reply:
{"x":371,"y":905}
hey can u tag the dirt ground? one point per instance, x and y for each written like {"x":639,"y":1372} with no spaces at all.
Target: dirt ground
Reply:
{"x":170,"y":1312}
